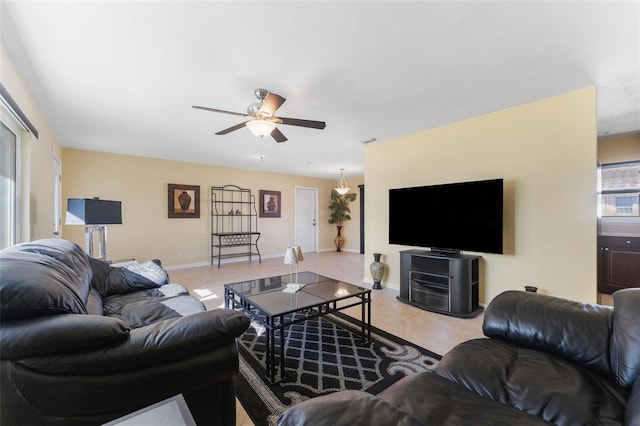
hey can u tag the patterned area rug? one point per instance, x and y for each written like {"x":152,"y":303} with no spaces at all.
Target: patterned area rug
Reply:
{"x":323,"y":355}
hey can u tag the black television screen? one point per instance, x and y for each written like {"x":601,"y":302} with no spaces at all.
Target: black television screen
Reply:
{"x":455,"y":216}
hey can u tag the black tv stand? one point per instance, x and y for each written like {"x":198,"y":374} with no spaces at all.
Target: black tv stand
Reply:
{"x":445,"y":252}
{"x":446,"y":283}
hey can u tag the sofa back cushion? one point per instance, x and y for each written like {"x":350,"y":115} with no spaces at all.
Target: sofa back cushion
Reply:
{"x":45,"y":277}
{"x":625,"y":339}
{"x":65,"y":251}
{"x":575,"y":331}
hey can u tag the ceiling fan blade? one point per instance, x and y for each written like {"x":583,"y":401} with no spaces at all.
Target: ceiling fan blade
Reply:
{"x":303,"y":123}
{"x":231,"y":129}
{"x":278,"y":136}
{"x":271,"y":103}
{"x":220,"y":110}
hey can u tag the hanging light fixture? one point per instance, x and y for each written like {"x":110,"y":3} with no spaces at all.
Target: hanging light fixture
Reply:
{"x":261,"y":127}
{"x":343,"y":187}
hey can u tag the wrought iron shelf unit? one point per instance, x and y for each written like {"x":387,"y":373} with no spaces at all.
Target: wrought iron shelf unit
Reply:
{"x":234,"y":223}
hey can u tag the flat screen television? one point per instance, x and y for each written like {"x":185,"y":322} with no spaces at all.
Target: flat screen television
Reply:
{"x":449,"y":217}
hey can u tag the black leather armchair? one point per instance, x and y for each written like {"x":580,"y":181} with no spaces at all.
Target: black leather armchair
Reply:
{"x":83,"y":343}
{"x":545,"y":360}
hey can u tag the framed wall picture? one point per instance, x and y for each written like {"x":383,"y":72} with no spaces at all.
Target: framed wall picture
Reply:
{"x":269,"y":203}
{"x":184,"y":201}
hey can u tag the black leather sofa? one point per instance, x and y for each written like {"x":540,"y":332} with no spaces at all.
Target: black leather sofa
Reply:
{"x":83,"y":343}
{"x":545,"y":360}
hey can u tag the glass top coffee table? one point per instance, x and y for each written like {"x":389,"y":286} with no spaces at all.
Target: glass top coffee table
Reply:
{"x":264,"y":301}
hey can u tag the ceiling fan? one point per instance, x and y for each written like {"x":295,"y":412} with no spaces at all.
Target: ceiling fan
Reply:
{"x":262,"y":121}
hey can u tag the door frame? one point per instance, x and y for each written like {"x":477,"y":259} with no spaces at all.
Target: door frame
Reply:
{"x":57,"y":195}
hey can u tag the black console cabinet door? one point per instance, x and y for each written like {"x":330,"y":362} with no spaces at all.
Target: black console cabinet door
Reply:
{"x":618,"y":263}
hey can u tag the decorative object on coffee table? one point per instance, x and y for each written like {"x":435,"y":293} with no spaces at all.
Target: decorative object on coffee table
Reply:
{"x":293,"y":256}
{"x":377,"y":271}
{"x":340,"y":210}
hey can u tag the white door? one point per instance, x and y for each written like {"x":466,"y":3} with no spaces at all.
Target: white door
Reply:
{"x":57,"y":197}
{"x":306,"y":213}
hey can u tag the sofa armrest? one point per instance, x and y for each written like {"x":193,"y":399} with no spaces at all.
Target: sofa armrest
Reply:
{"x":576,"y":331}
{"x":436,"y":400}
{"x":59,"y":333}
{"x":625,"y":339}
{"x":161,"y":342}
{"x":346,"y":408}
{"x":632,"y":414}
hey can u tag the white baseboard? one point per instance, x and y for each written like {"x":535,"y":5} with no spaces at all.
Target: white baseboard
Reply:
{"x":240,"y":259}
{"x":347,"y":250}
{"x":222,"y":261}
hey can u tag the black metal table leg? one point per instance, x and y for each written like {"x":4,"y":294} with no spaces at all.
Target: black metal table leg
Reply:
{"x":369,"y":316}
{"x":362,"y":331}
{"x":281,"y":348}
{"x":269,"y":351}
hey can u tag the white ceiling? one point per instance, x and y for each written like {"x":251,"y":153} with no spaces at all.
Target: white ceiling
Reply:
{"x":121,"y":76}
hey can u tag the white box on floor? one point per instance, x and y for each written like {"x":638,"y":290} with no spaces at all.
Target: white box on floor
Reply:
{"x":170,"y":412}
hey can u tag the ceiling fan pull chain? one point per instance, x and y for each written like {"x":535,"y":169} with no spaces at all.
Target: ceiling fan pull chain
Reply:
{"x":261,"y":156}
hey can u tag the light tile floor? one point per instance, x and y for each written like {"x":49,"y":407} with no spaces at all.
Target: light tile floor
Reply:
{"x":436,"y":332}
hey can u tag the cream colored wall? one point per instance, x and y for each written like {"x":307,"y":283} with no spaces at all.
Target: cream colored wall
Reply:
{"x":147,"y":233}
{"x":37,"y":157}
{"x":545,"y":152}
{"x":618,"y":149}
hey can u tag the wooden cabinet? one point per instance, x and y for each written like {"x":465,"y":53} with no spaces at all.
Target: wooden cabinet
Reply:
{"x":618,"y":263}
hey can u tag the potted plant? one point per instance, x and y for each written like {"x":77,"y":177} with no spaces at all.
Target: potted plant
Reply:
{"x":339,"y":208}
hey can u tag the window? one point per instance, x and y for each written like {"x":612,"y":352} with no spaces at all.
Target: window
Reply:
{"x":16,"y":132}
{"x":9,"y":156}
{"x":620,"y":194}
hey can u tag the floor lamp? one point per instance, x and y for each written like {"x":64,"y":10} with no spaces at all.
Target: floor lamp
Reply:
{"x":94,"y":213}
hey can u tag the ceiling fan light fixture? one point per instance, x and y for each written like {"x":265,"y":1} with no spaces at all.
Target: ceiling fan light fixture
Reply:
{"x":261,"y":117}
{"x":261,"y":128}
{"x":343,"y":186}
